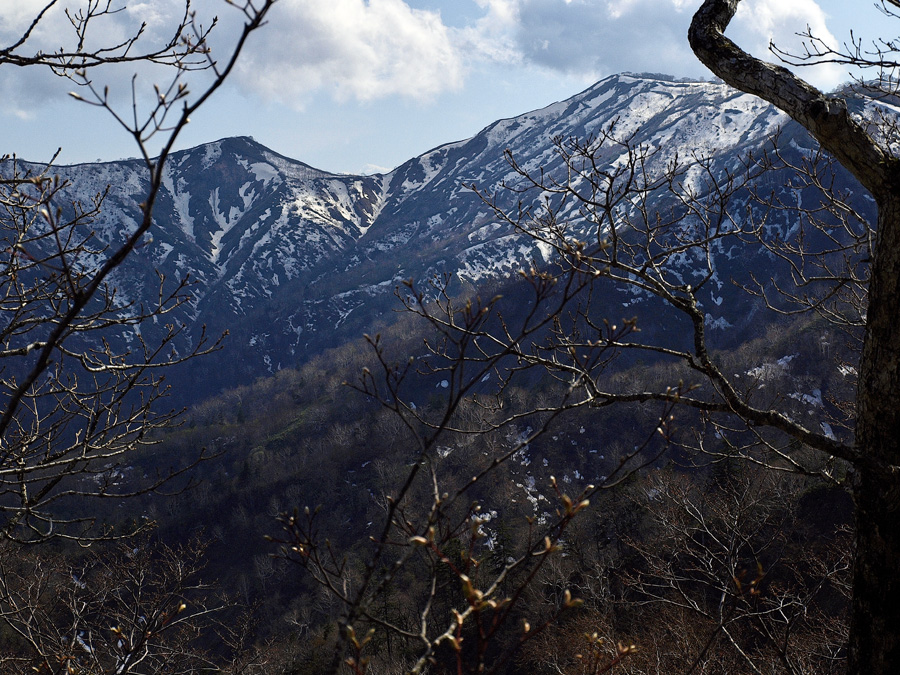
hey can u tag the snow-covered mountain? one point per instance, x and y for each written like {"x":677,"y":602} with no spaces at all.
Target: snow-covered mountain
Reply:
{"x":291,"y":259}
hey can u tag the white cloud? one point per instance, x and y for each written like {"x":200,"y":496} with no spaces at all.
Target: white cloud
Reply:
{"x":55,"y":30}
{"x":598,"y":37}
{"x":16,"y":17}
{"x":23,"y":89}
{"x":372,"y":49}
{"x":594,"y":38}
{"x":354,"y":48}
{"x":760,"y":21}
{"x":492,"y":36}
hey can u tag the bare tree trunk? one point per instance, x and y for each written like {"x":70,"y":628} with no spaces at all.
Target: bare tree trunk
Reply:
{"x":875,"y":614}
{"x":875,"y":618}
{"x":874,"y":636}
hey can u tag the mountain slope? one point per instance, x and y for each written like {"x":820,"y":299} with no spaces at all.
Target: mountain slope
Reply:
{"x":292,"y":260}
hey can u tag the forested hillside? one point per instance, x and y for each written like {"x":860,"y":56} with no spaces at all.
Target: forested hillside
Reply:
{"x":673,"y":544}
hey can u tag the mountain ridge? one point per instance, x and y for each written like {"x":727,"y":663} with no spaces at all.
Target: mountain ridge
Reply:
{"x":292,"y":259}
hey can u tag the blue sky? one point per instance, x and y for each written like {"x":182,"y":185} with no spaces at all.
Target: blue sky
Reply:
{"x":361,"y":85}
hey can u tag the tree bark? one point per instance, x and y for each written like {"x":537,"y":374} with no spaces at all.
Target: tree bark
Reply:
{"x":825,"y":117}
{"x":875,"y":619}
{"x":874,"y":647}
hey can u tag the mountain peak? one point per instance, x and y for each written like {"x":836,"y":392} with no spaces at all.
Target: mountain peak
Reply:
{"x":292,"y":260}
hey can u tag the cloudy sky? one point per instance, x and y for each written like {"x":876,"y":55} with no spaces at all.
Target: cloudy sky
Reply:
{"x":362,"y":85}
